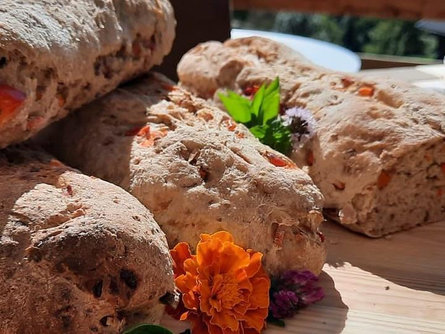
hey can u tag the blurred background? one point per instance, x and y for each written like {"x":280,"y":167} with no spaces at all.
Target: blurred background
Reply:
{"x":377,"y":36}
{"x":382,"y":33}
{"x":365,"y":35}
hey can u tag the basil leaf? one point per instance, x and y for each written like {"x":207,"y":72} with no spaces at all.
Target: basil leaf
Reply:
{"x":278,"y":136}
{"x":257,"y":105}
{"x":237,"y":106}
{"x":259,"y":131}
{"x":147,"y":329}
{"x":260,"y":115}
{"x":271,"y":102}
{"x":273,"y":87}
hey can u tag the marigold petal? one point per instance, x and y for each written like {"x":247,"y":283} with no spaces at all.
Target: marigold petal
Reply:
{"x":234,"y":258}
{"x":255,"y":263}
{"x":225,"y":320}
{"x":215,"y":257}
{"x":201,"y":328}
{"x":184,"y":316}
{"x":255,"y":318}
{"x":191,"y":266}
{"x":211,"y":248}
{"x":208,"y":252}
{"x":186,"y":282}
{"x":259,"y":298}
{"x":204,"y":303}
{"x":199,"y":324}
{"x":216,"y":305}
{"x":243,"y":282}
{"x":180,"y":253}
{"x":251,"y":331}
{"x":222,"y":235}
{"x":213,"y":329}
{"x":242,"y":307}
{"x":190,"y":301}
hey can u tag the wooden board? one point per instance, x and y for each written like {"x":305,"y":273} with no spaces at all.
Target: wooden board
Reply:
{"x":390,"y":285}
{"x":426,"y":76}
{"x":407,"y":9}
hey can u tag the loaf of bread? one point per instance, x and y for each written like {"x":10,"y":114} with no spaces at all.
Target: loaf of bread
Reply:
{"x":77,"y":254}
{"x":378,"y":155}
{"x":197,"y":171}
{"x":56,"y":55}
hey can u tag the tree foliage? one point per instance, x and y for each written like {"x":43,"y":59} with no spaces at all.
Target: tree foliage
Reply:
{"x":372,"y":35}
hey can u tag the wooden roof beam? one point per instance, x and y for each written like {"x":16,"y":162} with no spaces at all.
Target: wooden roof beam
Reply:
{"x":404,"y":9}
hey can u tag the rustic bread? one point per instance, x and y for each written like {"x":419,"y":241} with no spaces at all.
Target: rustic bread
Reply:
{"x":379,"y":152}
{"x":197,"y":171}
{"x":56,"y":55}
{"x":77,"y":254}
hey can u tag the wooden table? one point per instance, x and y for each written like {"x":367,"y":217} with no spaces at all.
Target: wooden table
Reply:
{"x":389,"y":285}
{"x":425,"y":76}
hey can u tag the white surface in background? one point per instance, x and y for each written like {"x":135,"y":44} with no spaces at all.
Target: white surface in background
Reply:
{"x":435,"y":70}
{"x":321,"y":53}
{"x":437,"y":85}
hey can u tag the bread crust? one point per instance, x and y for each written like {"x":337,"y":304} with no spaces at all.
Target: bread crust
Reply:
{"x":77,"y":254}
{"x":196,"y":171}
{"x":62,"y":54}
{"x":379,"y":145}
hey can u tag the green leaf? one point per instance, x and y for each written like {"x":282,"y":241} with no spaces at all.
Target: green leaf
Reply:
{"x":278,"y":136}
{"x":237,"y":106}
{"x":147,"y":329}
{"x":273,"y":86}
{"x":271,"y":101}
{"x":257,"y":104}
{"x":260,"y":115}
{"x":259,"y":131}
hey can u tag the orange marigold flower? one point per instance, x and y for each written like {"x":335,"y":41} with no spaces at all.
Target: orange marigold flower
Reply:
{"x":224,"y":287}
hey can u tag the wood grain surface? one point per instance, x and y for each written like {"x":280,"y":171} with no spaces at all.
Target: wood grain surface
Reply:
{"x":390,"y":285}
{"x":407,"y":9}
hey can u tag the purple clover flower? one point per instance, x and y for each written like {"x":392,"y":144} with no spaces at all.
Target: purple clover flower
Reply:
{"x":292,"y":291}
{"x":301,"y":123}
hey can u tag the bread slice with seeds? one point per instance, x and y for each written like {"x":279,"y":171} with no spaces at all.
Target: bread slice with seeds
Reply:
{"x":197,"y":171}
{"x":56,"y":55}
{"x":378,"y":155}
{"x":77,"y":254}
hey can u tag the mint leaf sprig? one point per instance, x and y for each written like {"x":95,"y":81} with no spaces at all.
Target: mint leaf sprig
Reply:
{"x":260,"y":115}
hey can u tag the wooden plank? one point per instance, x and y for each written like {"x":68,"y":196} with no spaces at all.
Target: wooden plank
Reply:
{"x":373,"y":61}
{"x":407,"y":9}
{"x":409,"y":74}
{"x":389,"y":285}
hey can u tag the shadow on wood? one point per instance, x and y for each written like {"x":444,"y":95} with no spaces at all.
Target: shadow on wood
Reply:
{"x":413,"y":259}
{"x":326,"y":317}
